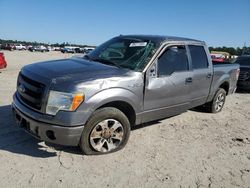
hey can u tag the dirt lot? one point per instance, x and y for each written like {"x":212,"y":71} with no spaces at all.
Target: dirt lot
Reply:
{"x":193,"y":149}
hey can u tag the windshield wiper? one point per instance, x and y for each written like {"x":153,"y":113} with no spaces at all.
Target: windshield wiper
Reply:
{"x":108,"y":62}
{"x":104,"y":61}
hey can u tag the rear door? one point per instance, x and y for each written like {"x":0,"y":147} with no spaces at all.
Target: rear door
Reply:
{"x":202,"y":74}
{"x":168,"y":84}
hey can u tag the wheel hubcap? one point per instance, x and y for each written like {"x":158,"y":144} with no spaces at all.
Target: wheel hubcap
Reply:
{"x":219,"y":102}
{"x":107,"y":135}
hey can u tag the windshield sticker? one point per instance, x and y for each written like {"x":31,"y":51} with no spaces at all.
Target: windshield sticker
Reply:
{"x":138,"y":44}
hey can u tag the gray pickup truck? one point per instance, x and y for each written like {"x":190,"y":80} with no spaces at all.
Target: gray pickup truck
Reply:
{"x":94,"y":101}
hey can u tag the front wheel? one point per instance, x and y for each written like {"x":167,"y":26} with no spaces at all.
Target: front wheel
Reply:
{"x":218,"y":101}
{"x":106,"y":131}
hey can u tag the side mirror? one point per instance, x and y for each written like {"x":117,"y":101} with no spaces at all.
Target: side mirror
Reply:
{"x":152,"y":71}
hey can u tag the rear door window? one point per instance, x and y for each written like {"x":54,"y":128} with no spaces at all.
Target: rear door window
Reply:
{"x":199,"y":57}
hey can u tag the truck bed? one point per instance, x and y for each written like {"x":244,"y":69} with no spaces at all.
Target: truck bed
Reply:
{"x":224,"y":71}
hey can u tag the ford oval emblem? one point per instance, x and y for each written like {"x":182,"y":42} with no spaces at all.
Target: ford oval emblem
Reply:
{"x":21,"y":88}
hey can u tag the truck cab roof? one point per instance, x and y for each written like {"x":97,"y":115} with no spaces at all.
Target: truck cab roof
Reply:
{"x":159,"y":39}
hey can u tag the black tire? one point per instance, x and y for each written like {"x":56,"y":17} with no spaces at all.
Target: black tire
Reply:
{"x":97,"y":117}
{"x":212,"y":106}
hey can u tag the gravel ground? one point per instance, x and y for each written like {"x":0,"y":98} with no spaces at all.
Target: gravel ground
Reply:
{"x":193,"y":149}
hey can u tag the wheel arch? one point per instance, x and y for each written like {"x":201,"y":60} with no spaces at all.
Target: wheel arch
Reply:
{"x":223,"y":82}
{"x":225,"y":86}
{"x":124,"y":100}
{"x":124,"y":107}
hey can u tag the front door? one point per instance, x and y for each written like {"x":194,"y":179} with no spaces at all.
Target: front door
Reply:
{"x":168,"y":84}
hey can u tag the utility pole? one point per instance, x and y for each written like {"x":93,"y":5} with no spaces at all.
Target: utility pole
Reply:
{"x":244,"y":48}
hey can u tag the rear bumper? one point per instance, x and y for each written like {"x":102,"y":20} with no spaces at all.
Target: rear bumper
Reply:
{"x":69,"y":136}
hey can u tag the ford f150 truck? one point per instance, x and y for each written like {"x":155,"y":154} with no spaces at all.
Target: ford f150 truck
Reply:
{"x":94,"y":101}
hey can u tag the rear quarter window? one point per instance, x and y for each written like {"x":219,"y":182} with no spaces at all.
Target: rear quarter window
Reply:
{"x":198,"y":56}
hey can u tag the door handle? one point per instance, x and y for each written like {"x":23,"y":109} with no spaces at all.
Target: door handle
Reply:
{"x":209,"y":75}
{"x":189,"y":80}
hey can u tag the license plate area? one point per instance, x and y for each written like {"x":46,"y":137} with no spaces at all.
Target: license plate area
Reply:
{"x":25,"y":124}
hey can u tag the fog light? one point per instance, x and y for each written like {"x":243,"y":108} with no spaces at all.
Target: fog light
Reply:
{"x":50,"y":134}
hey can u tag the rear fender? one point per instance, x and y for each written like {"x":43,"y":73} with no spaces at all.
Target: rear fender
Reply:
{"x":225,"y":78}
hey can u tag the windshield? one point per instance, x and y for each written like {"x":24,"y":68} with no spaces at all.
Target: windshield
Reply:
{"x":243,"y":61}
{"x":128,"y":53}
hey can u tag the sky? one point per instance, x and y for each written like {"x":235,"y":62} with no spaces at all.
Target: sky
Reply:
{"x":92,"y":22}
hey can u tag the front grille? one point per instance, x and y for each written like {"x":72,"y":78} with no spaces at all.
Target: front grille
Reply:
{"x":30,"y":92}
{"x":244,"y":75}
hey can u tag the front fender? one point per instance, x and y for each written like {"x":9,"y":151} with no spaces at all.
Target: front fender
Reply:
{"x":110,"y":95}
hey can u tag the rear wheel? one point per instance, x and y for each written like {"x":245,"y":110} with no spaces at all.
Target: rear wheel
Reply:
{"x":218,"y":101}
{"x":107,"y":131}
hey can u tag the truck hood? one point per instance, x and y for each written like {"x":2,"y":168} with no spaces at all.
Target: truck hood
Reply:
{"x":67,"y":67}
{"x":70,"y":74}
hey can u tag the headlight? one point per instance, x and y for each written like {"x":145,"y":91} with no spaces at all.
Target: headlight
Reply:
{"x":63,"y":101}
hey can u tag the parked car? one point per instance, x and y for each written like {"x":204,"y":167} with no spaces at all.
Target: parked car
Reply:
{"x":31,"y":48}
{"x":84,"y":50}
{"x":94,"y":101}
{"x":3,"y":63}
{"x":40,"y":48}
{"x":57,"y":49}
{"x":79,"y":50}
{"x":19,"y":47}
{"x":217,"y":59}
{"x":48,"y":48}
{"x":244,"y":77}
{"x":69,"y":49}
{"x":9,"y":47}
